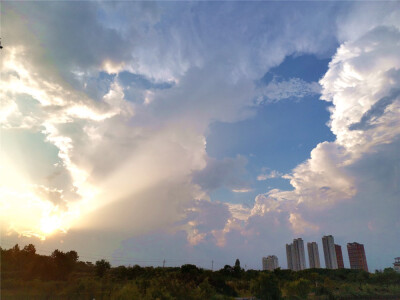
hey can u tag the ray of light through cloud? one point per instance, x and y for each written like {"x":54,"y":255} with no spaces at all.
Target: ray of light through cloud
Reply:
{"x":200,"y":129}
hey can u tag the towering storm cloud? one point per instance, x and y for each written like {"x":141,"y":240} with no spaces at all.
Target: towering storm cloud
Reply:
{"x":125,"y":122}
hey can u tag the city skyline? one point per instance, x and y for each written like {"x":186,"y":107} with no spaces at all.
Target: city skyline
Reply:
{"x":200,"y":131}
{"x":333,"y":255}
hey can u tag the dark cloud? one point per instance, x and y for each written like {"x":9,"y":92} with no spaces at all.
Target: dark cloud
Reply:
{"x":139,"y":81}
{"x":207,"y":215}
{"x":376,"y":111}
{"x":228,"y":173}
{"x":69,"y":33}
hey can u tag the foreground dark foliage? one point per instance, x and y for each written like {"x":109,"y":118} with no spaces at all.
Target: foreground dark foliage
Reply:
{"x":27,"y":275}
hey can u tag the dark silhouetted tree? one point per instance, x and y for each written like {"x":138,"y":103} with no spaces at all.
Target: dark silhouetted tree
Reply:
{"x":237,"y":270}
{"x":15,"y":249}
{"x":237,"y":264}
{"x":29,"y":249}
{"x":64,"y":263}
{"x":72,"y":256}
{"x":101,"y":267}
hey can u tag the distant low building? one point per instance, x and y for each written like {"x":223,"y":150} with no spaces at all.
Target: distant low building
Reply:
{"x":357,"y":256}
{"x":264,"y":263}
{"x":270,"y":263}
{"x":339,"y":256}
{"x":396,"y":264}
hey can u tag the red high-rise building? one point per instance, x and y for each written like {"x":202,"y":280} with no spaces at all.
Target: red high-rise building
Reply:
{"x":339,"y":256}
{"x":357,"y":256}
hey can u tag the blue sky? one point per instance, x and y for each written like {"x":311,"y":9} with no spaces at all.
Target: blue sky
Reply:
{"x":199,"y":131}
{"x":280,"y":135}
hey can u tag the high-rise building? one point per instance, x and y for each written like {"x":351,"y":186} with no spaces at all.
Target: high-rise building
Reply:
{"x":328,"y":244}
{"x":313,"y":255}
{"x":339,"y":256}
{"x":295,"y":255}
{"x":270,"y":263}
{"x":300,"y":256}
{"x":290,"y":256}
{"x":264,"y":263}
{"x":396,"y":264}
{"x":357,"y":256}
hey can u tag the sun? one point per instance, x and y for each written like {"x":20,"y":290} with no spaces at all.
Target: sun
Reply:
{"x":49,"y":224}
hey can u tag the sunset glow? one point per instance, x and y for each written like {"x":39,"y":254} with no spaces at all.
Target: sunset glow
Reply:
{"x":207,"y":130}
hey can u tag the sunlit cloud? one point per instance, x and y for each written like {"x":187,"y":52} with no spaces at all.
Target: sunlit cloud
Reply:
{"x":278,"y":90}
{"x":359,"y":77}
{"x":270,"y":175}
{"x":19,"y":81}
{"x":129,"y":157}
{"x":300,"y":226}
{"x":241,"y":190}
{"x":27,"y":209}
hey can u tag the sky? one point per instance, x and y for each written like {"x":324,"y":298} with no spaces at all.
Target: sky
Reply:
{"x":200,"y":132}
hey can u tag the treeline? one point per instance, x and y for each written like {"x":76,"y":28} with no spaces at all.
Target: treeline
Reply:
{"x":28,"y":275}
{"x":26,"y":264}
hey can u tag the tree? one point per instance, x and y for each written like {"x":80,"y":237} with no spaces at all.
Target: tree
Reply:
{"x":227,"y":270}
{"x":387,"y":277}
{"x":299,"y":288}
{"x":237,"y":270}
{"x":266,"y":287}
{"x":72,"y":255}
{"x":15,"y":249}
{"x":237,"y":263}
{"x":29,"y":249}
{"x":64,"y":263}
{"x":189,"y":268}
{"x":16,"y":257}
{"x":284,"y":275}
{"x":101,"y":267}
{"x":206,"y":289}
{"x":314,"y":277}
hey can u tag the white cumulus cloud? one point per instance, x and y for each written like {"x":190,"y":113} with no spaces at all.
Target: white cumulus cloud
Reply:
{"x":295,"y":88}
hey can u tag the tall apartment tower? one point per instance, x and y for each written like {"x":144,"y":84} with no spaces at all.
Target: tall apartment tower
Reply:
{"x":270,"y":263}
{"x":299,"y":254}
{"x":339,"y":256}
{"x":295,"y":255}
{"x":313,"y":255}
{"x":289,"y":256}
{"x":329,"y":252}
{"x":357,"y":256}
